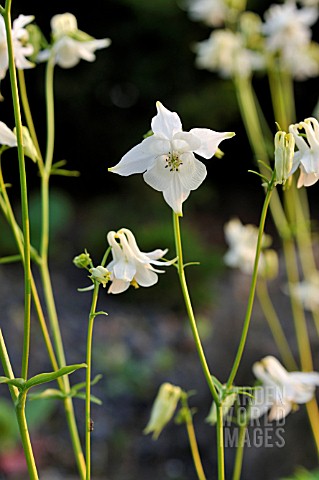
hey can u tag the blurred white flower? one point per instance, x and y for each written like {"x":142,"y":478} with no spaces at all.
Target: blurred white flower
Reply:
{"x":211,"y":12}
{"x":163,"y":408}
{"x":167,"y":157}
{"x":224,"y":52}
{"x":242,"y":242}
{"x":130,"y":266}
{"x":70,"y":44}
{"x":21,"y":47}
{"x":307,"y":292}
{"x":307,"y":156}
{"x":302,"y":62}
{"x":280,"y":391}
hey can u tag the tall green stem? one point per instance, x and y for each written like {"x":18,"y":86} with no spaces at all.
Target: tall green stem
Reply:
{"x":199,"y":347}
{"x":24,"y":433}
{"x":88,"y":381}
{"x":24,"y":194}
{"x":239,"y":452}
{"x":244,"y":333}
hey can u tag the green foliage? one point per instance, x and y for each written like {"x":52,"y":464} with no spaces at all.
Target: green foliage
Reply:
{"x":303,"y":474}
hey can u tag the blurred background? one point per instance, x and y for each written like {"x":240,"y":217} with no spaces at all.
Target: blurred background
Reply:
{"x":102,"y":110}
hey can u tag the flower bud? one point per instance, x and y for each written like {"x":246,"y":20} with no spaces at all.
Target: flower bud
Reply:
{"x":82,"y":261}
{"x":100,"y":274}
{"x":163,"y":409}
{"x":284,"y":153}
{"x":228,"y":402}
{"x":63,"y":24}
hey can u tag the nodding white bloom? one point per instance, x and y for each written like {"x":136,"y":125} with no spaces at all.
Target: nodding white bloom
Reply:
{"x":163,"y":408}
{"x":284,"y":154}
{"x":307,"y":292}
{"x":224,"y":52}
{"x":21,"y":47}
{"x":167,"y":157}
{"x":211,"y":12}
{"x":280,"y":391}
{"x":307,"y":156}
{"x":242,"y":241}
{"x":70,"y":44}
{"x":130,"y":266}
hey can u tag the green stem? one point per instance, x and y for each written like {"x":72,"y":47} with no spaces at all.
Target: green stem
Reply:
{"x":275,"y":325}
{"x":88,"y":381}
{"x":239,"y":452}
{"x":192,"y":439}
{"x":199,"y":347}
{"x":252,"y":291}
{"x":24,"y":194}
{"x":25,"y":437}
{"x":7,"y":368}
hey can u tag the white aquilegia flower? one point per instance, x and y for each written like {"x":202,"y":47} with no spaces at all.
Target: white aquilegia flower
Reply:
{"x":307,"y":156}
{"x":167,"y":157}
{"x":21,"y":47}
{"x":280,"y":391}
{"x":70,"y":44}
{"x":163,"y":408}
{"x":211,"y":12}
{"x":242,"y":242}
{"x":225,"y":52}
{"x":130,"y":266}
{"x":307,"y":293}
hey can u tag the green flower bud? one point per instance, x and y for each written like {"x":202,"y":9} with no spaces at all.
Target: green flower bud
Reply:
{"x":101,"y":274}
{"x":163,"y":409}
{"x":82,"y":261}
{"x":228,"y":402}
{"x":284,"y":153}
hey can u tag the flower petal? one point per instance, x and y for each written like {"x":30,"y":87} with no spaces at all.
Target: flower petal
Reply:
{"x":138,"y":159}
{"x":165,"y":123}
{"x":7,"y":137}
{"x":158,"y":176}
{"x":176,"y":194}
{"x":118,"y":286}
{"x":192,"y":172}
{"x":209,"y":140}
{"x":145,"y":276}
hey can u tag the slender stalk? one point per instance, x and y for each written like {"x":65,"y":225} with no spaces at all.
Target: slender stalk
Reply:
{"x":199,"y":347}
{"x":239,"y":452}
{"x":189,"y":308}
{"x":24,"y":194}
{"x":88,"y":381}
{"x":275,"y":325}
{"x":7,"y":368}
{"x":24,"y":433}
{"x":192,"y":439}
{"x":251,"y":292}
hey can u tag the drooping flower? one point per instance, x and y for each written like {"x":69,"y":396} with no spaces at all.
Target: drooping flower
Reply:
{"x":21,"y":47}
{"x":225,"y":52}
{"x":242,"y":241}
{"x":163,"y":409}
{"x":307,"y":156}
{"x":167,"y":157}
{"x":70,"y":44}
{"x":100,"y":274}
{"x":280,"y":391}
{"x":130,"y":266}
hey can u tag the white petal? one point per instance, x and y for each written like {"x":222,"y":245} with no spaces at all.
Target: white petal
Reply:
{"x":118,"y":286}
{"x":308,"y":378}
{"x":209,"y":140}
{"x":280,"y":410}
{"x":165,"y":123}
{"x":21,"y":22}
{"x":7,"y":137}
{"x":156,"y":254}
{"x":124,"y":270}
{"x":306,"y":179}
{"x":185,"y":142}
{"x":138,"y":159}
{"x":192,"y":173}
{"x":176,"y":193}
{"x":260,"y":403}
{"x":158,"y":176}
{"x":145,"y":277}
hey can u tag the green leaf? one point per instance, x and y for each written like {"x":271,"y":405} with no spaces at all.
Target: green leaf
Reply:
{"x":80,"y":386}
{"x":48,"y":393}
{"x":16,"y":382}
{"x":82,"y":396}
{"x":49,"y":377}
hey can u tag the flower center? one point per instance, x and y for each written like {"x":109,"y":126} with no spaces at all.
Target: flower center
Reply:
{"x":173,"y":162}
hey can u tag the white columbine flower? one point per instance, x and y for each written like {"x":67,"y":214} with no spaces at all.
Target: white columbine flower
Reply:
{"x":280,"y":391}
{"x":130,"y":266}
{"x":211,"y":12}
{"x":224,"y":52}
{"x":307,"y":156}
{"x":70,"y":44}
{"x":21,"y":47}
{"x":242,"y":241}
{"x":167,"y":157}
